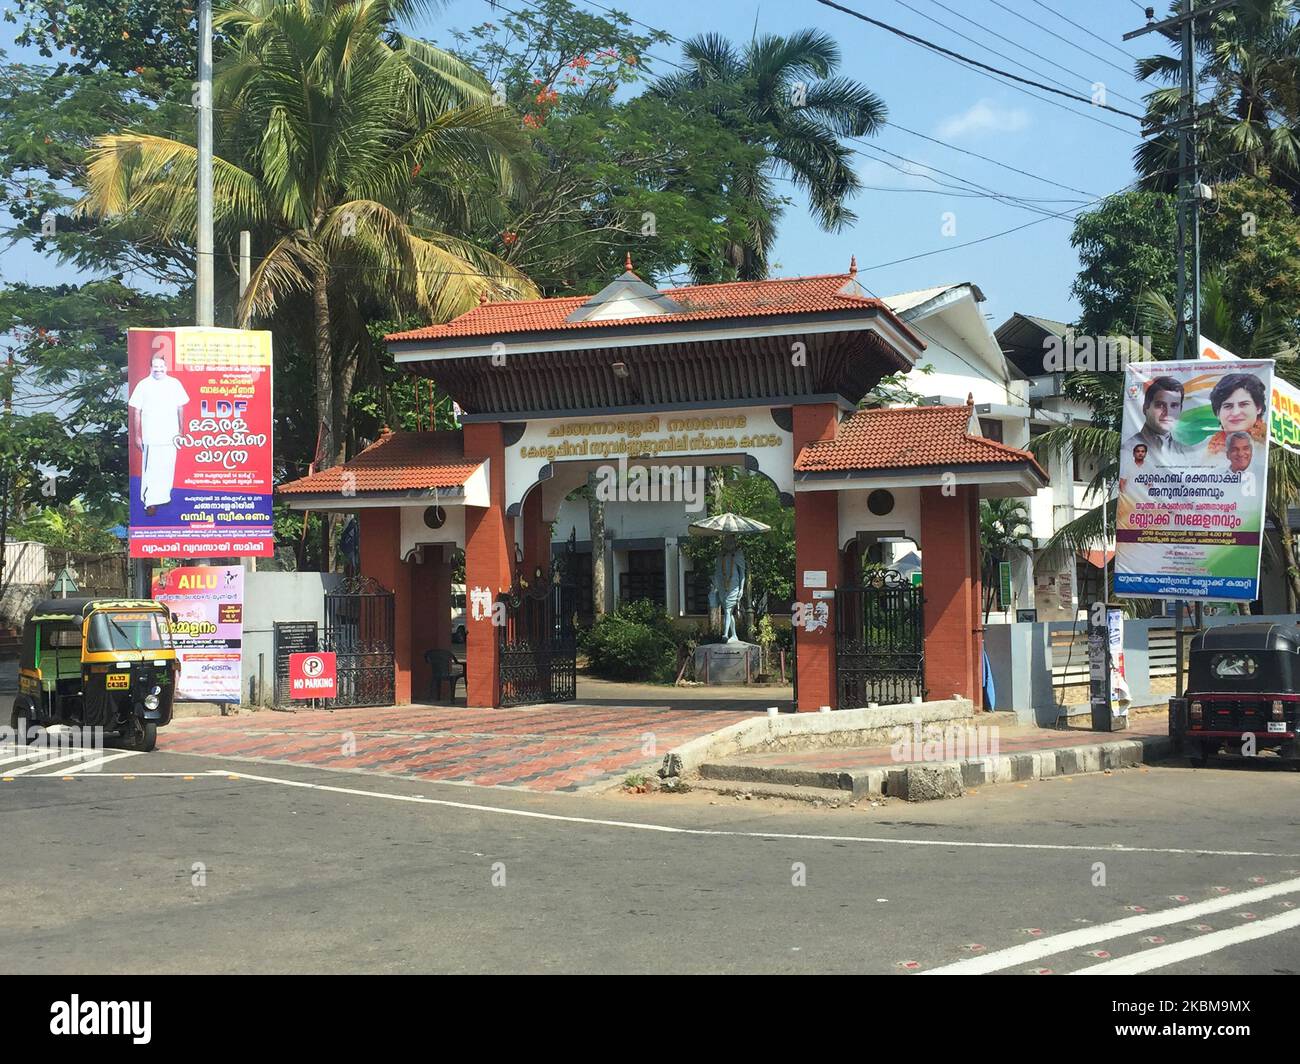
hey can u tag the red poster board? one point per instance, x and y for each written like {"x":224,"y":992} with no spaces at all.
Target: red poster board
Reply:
{"x":313,"y":675}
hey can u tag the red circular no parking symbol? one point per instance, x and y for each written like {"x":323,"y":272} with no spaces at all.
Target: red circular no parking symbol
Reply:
{"x":313,"y":675}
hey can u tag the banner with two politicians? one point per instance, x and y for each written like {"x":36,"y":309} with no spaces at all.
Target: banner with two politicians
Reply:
{"x":1194,"y":478}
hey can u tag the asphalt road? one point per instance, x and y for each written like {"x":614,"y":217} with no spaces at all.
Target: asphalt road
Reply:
{"x":290,"y":869}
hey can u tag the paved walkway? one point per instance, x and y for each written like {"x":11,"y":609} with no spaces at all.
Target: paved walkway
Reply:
{"x":616,"y":729}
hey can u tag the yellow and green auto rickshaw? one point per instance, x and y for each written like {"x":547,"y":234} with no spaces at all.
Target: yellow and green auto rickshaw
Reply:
{"x":98,"y":663}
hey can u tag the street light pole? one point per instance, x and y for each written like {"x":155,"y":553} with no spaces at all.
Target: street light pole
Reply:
{"x":203,"y":283}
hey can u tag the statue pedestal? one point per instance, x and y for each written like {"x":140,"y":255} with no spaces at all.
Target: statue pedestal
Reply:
{"x":717,"y":663}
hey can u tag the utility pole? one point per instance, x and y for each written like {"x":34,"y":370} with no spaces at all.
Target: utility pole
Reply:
{"x":1191,"y":193}
{"x":203,"y":283}
{"x":245,"y":276}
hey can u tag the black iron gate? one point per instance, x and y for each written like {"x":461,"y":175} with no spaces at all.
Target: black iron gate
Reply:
{"x":359,"y":630}
{"x":539,"y":639}
{"x":878,"y":641}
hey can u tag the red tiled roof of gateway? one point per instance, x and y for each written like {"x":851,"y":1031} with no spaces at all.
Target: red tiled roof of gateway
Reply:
{"x":906,"y":438}
{"x":707,"y":302}
{"x":397,"y":461}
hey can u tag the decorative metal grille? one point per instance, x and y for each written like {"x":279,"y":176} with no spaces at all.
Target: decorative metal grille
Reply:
{"x":879,"y":655}
{"x":359,"y":630}
{"x":539,"y":639}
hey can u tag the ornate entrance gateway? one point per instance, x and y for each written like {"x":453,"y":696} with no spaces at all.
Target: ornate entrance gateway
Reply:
{"x":539,"y":640}
{"x":879,"y":655}
{"x":359,"y":630}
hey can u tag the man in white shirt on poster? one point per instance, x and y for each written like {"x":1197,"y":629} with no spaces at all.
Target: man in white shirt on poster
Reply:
{"x":156,"y":404}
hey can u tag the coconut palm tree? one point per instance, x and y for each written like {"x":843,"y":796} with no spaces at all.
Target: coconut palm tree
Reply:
{"x":355,"y":154}
{"x":781,"y":92}
{"x":1248,"y":98}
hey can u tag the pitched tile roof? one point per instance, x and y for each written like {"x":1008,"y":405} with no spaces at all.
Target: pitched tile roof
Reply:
{"x":906,"y":438}
{"x":397,"y":461}
{"x":708,"y":302}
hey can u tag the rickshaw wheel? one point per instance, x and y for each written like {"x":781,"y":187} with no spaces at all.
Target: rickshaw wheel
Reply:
{"x":144,"y":737}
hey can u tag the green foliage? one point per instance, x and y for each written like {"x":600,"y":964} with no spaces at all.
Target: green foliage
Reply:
{"x":1126,"y":247}
{"x":156,"y":39}
{"x":1248,"y":110}
{"x":71,"y":526}
{"x":638,"y":641}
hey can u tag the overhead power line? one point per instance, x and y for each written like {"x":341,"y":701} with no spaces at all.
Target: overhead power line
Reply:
{"x":960,"y":58}
{"x":1003,"y":55}
{"x":1084,"y":29}
{"x":1053,"y":33}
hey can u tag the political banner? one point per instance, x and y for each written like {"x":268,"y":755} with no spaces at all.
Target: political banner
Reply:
{"x":1193,"y":479}
{"x":207,"y":602}
{"x":199,"y":409}
{"x":1284,"y":403}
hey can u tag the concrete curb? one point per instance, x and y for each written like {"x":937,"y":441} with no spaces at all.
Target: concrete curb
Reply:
{"x":925,"y":781}
{"x":813,"y":731}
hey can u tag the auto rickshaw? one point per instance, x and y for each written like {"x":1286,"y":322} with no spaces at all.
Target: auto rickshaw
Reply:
{"x":106,"y":663}
{"x":1241,"y":692}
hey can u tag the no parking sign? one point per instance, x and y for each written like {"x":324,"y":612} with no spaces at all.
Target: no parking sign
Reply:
{"x":313,"y":675}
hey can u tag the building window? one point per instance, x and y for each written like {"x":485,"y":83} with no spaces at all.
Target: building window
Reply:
{"x":698,"y":584}
{"x":644,"y":578}
{"x":991,"y":429}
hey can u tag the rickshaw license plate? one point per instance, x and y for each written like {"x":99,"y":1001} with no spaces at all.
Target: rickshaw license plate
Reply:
{"x":1277,"y":726}
{"x":118,"y":681}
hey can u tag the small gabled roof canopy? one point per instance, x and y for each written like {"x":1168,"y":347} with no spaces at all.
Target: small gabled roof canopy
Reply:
{"x":627,"y":296}
{"x":916,"y":446}
{"x":397,"y":465}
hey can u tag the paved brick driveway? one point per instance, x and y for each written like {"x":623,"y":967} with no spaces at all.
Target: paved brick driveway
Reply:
{"x":543,"y":748}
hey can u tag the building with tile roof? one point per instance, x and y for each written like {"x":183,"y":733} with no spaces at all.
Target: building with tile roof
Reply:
{"x":767,"y":376}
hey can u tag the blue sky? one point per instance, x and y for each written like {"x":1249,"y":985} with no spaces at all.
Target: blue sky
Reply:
{"x":1029,"y":270}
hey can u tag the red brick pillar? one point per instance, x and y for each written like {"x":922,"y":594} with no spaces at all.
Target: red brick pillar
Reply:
{"x":951,"y":586}
{"x":381,"y":544}
{"x":816,"y":548}
{"x":430,"y":617}
{"x":489,"y":563}
{"x":976,"y":599}
{"x":536,"y":534}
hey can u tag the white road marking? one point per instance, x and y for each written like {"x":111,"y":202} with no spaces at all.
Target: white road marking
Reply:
{"x":43,"y":763}
{"x":720,"y":833}
{"x":1129,"y":925}
{"x":1194,"y":947}
{"x":19,"y":757}
{"x":92,"y":765}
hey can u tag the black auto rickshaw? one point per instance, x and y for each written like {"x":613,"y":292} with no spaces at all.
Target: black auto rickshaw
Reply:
{"x":1242,"y":691}
{"x":98,"y":663}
